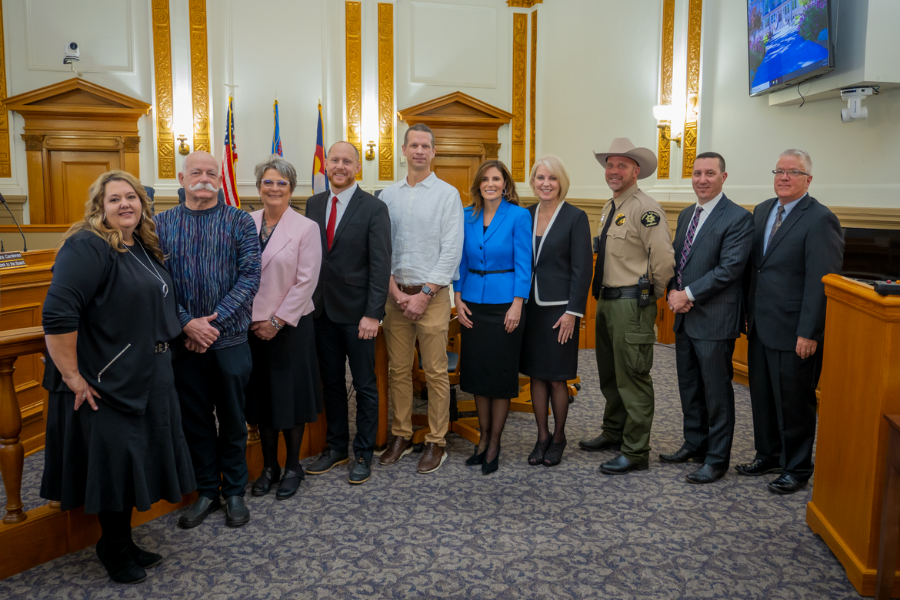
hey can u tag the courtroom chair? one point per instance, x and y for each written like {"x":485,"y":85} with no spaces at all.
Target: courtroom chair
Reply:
{"x":181,"y":195}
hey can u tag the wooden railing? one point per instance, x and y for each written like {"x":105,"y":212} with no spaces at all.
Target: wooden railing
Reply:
{"x":13,"y":344}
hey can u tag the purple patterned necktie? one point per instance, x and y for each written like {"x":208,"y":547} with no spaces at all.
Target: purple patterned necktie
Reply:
{"x":688,"y":241}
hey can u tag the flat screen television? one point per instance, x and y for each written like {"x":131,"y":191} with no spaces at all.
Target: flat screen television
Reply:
{"x":871,"y":254}
{"x":789,"y":41}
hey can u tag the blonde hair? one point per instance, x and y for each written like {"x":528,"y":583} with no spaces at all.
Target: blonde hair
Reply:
{"x":555,"y":165}
{"x":509,"y":186}
{"x":95,"y":216}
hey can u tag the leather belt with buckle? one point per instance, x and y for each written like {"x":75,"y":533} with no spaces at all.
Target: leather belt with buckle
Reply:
{"x":625,"y":293}
{"x":410,"y":290}
{"x":162,"y":347}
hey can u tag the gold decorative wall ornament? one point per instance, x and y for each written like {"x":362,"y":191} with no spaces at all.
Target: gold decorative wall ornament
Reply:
{"x":533,"y":106}
{"x":353,"y":26}
{"x":132,"y":143}
{"x":33,"y":143}
{"x":519,"y":73}
{"x":199,"y":74}
{"x":692,"y":80}
{"x":370,"y":153}
{"x":162,"y":60}
{"x":5,"y":159}
{"x":522,"y":3}
{"x":385,"y":91}
{"x":491,"y":151}
{"x":183,"y":148}
{"x":667,"y":64}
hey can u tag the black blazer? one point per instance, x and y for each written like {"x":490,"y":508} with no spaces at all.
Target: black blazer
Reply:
{"x":714,"y":271}
{"x":353,"y":281}
{"x":786,"y":296}
{"x":562,"y":263}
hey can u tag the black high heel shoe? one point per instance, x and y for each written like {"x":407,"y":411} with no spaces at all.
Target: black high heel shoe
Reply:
{"x":476,"y":459}
{"x":488,"y":467}
{"x":554,"y":453}
{"x":537,"y":455}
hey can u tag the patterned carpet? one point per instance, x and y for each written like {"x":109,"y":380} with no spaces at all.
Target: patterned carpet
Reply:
{"x":524,"y":532}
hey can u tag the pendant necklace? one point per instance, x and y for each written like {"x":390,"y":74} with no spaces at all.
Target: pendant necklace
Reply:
{"x":155,"y":273}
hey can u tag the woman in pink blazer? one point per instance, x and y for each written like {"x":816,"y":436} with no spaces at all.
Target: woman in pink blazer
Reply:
{"x":284,"y":392}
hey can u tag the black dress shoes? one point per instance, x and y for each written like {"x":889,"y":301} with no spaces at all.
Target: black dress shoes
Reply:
{"x":684,"y":455}
{"x":786,"y":484}
{"x":262,"y":486}
{"x":236,"y":512}
{"x":621,"y":465}
{"x":198,"y":511}
{"x":706,"y":474}
{"x":290,"y":483}
{"x":328,"y":460}
{"x":598,"y":443}
{"x":361,"y":471}
{"x":142,"y":558}
{"x":757,"y":468}
{"x":117,"y":560}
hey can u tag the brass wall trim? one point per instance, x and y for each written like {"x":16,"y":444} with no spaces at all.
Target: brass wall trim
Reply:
{"x":162,"y":59}
{"x":353,"y":27}
{"x":692,"y":80}
{"x":533,"y":107}
{"x":5,"y":158}
{"x":199,"y":74}
{"x":667,"y":65}
{"x":519,"y":72}
{"x":386,"y":118}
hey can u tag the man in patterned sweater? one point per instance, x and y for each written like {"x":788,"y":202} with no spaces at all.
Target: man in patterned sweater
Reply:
{"x":212,"y":253}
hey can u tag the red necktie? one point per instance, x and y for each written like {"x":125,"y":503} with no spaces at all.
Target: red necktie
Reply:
{"x":332,"y":219}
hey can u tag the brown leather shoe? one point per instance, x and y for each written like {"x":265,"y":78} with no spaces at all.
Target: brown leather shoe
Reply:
{"x":399,"y":448}
{"x":432,"y":459}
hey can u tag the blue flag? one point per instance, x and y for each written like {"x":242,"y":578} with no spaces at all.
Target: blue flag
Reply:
{"x":276,"y":135}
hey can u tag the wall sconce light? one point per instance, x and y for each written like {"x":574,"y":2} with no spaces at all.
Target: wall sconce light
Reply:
{"x":183,"y":148}
{"x":663,"y":115}
{"x":370,"y":153}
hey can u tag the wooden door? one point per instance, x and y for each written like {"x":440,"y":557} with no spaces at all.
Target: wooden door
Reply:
{"x":458,"y":171}
{"x":71,"y":175}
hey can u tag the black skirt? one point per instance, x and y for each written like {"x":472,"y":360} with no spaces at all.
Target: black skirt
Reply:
{"x":489,"y":356}
{"x":284,"y":388}
{"x":543,"y":357}
{"x":111,"y":460}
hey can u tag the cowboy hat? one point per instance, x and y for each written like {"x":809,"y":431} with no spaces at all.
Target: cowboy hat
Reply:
{"x":644,"y":157}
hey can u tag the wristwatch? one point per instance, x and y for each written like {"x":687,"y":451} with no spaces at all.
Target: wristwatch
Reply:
{"x":275,"y":324}
{"x":427,"y":290}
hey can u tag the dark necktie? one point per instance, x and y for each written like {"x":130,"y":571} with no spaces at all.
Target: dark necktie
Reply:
{"x":775,"y":226}
{"x":601,"y":252}
{"x":332,"y":219}
{"x":688,"y":242}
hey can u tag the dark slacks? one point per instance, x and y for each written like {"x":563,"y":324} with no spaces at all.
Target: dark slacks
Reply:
{"x":783,"y":398}
{"x":705,"y":371}
{"x":211,"y":388}
{"x":335,"y":343}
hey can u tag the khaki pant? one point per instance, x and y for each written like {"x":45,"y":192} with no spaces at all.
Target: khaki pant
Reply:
{"x":400,"y":334}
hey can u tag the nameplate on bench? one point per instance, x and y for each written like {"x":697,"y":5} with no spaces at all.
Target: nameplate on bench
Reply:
{"x":11,"y":260}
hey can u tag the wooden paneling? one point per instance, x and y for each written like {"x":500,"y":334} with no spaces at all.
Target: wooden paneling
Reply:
{"x":458,"y":171}
{"x":71,"y":174}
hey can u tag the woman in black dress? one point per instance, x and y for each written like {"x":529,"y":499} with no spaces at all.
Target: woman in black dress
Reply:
{"x":114,"y":438}
{"x":284,"y":392}
{"x":560,"y":283}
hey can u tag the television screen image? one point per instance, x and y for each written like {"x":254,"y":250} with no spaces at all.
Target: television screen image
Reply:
{"x":789,"y":42}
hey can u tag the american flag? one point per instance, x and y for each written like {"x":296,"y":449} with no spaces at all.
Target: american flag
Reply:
{"x":229,"y":179}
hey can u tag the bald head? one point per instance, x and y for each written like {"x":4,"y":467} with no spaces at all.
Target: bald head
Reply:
{"x":200,"y":179}
{"x":345,"y":145}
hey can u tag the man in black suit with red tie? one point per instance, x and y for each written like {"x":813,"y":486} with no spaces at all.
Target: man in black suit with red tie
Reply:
{"x":712,"y":245}
{"x":349,"y":303}
{"x":796,"y":242}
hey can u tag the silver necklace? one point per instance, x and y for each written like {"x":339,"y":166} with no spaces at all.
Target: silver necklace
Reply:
{"x":155,"y":273}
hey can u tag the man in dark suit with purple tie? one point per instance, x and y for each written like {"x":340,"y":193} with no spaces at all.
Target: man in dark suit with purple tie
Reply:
{"x":712,"y":245}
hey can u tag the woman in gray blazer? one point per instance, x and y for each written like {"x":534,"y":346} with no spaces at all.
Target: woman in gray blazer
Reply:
{"x":561,"y":279}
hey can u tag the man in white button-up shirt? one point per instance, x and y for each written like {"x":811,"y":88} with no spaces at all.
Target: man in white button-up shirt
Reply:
{"x":426,"y":237}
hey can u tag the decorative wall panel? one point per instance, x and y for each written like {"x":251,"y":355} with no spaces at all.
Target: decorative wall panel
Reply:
{"x":519,"y":74}
{"x":522,"y":3}
{"x":5,"y":163}
{"x":439,"y":55}
{"x":386,"y":117}
{"x":353,"y":25}
{"x":199,"y":74}
{"x":162,"y":60}
{"x":692,"y":80}
{"x":533,"y":92}
{"x":667,"y":64}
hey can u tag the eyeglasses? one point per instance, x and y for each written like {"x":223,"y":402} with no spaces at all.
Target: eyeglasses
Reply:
{"x":792,"y":173}
{"x":280,"y":183}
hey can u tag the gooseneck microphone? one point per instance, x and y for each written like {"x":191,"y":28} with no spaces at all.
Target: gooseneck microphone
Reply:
{"x":24,"y":242}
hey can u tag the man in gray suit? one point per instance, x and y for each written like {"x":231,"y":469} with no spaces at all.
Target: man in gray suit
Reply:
{"x":796,"y":242}
{"x":712,"y":245}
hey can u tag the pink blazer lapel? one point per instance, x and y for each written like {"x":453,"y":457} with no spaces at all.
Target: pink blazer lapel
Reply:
{"x":280,"y":237}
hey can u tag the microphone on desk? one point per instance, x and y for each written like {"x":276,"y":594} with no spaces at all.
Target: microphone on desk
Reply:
{"x":24,"y":242}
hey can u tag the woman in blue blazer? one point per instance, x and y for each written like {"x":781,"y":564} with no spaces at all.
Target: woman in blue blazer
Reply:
{"x":493,"y":284}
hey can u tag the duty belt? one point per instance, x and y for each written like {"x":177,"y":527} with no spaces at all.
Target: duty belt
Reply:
{"x":477,"y":272}
{"x":626,"y":293}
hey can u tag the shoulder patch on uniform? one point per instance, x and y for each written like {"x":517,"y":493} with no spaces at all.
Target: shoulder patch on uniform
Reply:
{"x":650,"y":219}
{"x":620,"y":219}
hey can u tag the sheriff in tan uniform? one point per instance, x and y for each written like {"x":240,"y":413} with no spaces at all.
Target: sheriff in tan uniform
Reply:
{"x":634,"y":242}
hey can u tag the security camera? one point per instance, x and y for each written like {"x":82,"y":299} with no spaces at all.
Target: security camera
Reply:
{"x":855,"y":111}
{"x":72,"y":53}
